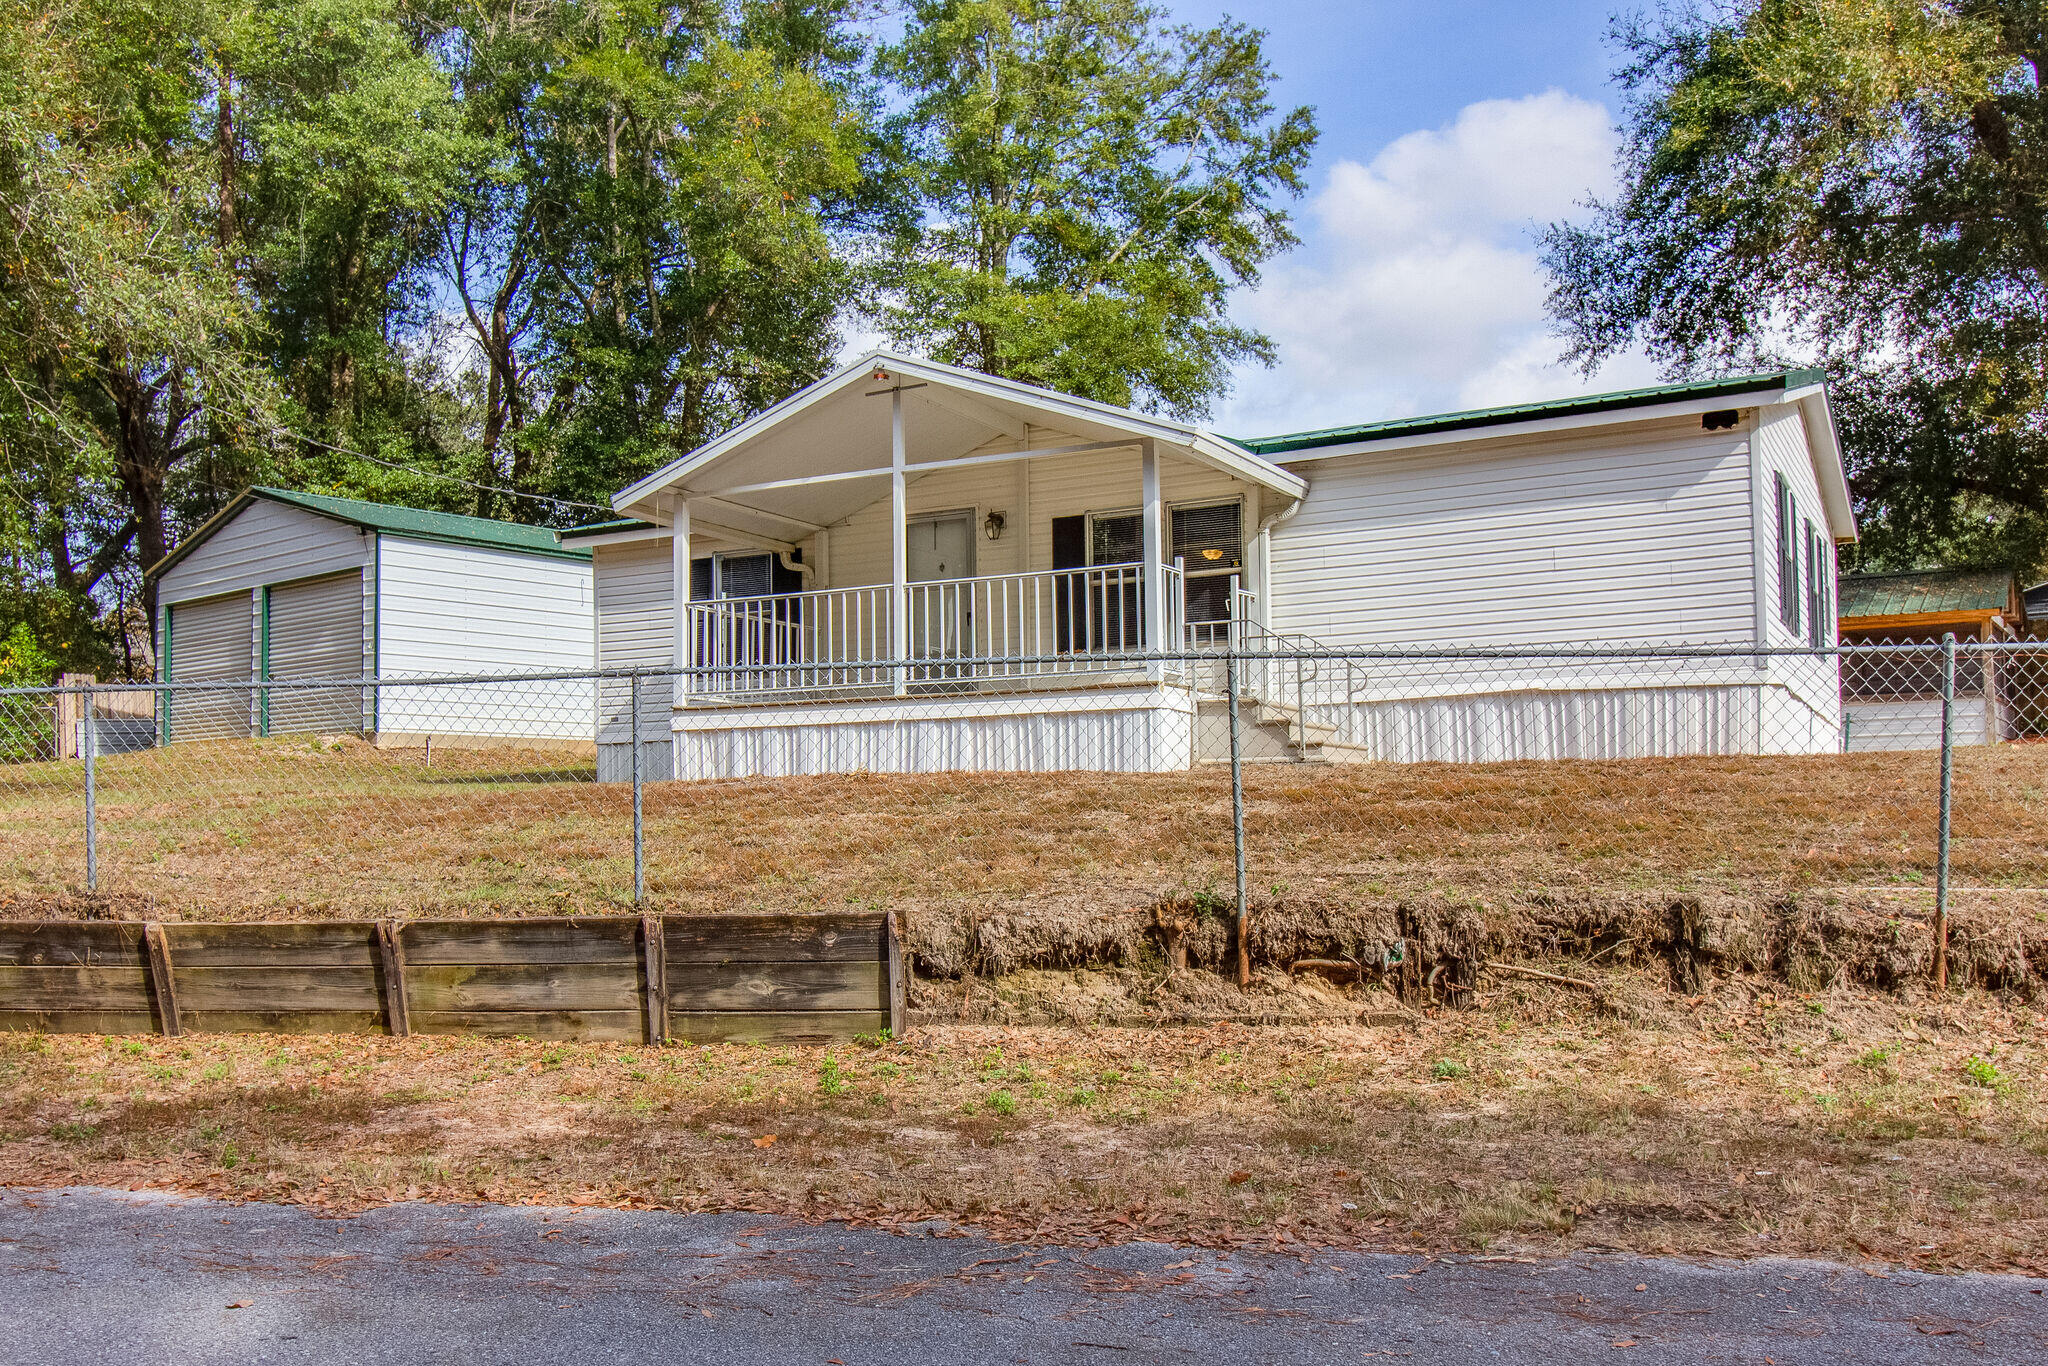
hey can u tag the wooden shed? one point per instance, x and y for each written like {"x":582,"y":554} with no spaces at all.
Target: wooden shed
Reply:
{"x":1893,"y":701}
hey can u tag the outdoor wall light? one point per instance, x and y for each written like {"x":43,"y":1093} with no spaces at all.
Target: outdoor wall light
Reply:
{"x":992,"y":526}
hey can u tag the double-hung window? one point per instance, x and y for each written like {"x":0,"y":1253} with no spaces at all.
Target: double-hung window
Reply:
{"x":1788,"y":557}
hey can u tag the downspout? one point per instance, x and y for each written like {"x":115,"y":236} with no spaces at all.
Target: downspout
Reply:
{"x":1264,"y":549}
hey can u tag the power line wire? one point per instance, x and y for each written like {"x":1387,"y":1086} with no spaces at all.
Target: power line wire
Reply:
{"x":454,"y":479}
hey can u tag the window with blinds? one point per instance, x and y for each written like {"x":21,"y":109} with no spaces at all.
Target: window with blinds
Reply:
{"x":1209,"y":540}
{"x":1118,"y":539}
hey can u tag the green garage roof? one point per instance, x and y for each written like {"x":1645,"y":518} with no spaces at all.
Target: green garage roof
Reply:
{"x":1926,"y":593}
{"x":1272,"y":446}
{"x":417,"y":523}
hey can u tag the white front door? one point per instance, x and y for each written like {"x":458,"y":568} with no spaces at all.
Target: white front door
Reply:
{"x":941,"y":550}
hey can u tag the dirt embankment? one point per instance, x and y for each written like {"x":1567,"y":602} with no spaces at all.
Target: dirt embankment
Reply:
{"x":1175,"y":959}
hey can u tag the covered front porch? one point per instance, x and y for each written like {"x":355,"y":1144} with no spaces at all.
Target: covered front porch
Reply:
{"x":886,"y":570}
{"x":916,"y":530}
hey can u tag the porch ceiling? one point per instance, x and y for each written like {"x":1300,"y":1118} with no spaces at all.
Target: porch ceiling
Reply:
{"x":805,"y":446}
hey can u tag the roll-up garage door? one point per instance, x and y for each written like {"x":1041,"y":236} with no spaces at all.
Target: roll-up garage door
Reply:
{"x":316,"y":631}
{"x":210,"y":643}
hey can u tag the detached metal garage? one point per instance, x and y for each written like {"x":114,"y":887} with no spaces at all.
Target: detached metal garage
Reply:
{"x":283,"y":586}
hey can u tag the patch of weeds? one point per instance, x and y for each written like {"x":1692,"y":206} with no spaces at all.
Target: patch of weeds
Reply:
{"x":230,"y":1156}
{"x":1448,"y":1069}
{"x":214,"y":1072}
{"x":1879,"y":1059}
{"x":1002,"y":1102}
{"x":71,"y":1132}
{"x":1081,"y":1095}
{"x":1985,"y":1073}
{"x":554,"y":1057}
{"x":880,"y":1039}
{"x":832,"y":1081}
{"x":134,"y":1046}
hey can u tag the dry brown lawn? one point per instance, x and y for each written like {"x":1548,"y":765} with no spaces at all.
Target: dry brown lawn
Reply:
{"x":1751,"y":1121}
{"x":242,"y":829}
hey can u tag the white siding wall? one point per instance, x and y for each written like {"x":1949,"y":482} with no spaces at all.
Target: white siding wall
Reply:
{"x":1638,"y":533}
{"x":266,"y":543}
{"x":1643,"y":533}
{"x":634,"y":592}
{"x":451,"y":609}
{"x":1782,"y":448}
{"x":1142,"y":730}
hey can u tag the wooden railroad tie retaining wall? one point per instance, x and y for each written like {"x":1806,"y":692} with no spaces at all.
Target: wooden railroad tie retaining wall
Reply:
{"x":700,"y":979}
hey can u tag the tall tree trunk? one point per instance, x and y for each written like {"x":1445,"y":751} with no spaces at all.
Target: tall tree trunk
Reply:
{"x":229,"y":157}
{"x":139,"y":461}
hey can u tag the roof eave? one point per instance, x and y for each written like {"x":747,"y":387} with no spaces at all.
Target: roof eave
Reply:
{"x":1533,"y":426}
{"x":1215,"y":450}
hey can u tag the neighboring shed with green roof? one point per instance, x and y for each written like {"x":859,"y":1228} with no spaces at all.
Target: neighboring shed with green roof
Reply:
{"x":1971,"y":604}
{"x":282,"y":585}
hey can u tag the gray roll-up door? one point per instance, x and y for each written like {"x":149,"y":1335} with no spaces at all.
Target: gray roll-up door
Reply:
{"x":211,"y":642}
{"x":316,"y":631}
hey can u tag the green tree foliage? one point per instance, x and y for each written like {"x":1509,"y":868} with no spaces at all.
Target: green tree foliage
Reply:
{"x":505,"y":257}
{"x":1084,"y":187}
{"x":651,"y":258}
{"x":1864,"y":183}
{"x":126,"y":376}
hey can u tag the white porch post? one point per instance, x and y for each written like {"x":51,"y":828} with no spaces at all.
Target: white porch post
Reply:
{"x":1154,"y":583}
{"x":899,"y":545}
{"x":686,"y":639}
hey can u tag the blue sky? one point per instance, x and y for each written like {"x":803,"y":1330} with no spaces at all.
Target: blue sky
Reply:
{"x":1451,"y":129}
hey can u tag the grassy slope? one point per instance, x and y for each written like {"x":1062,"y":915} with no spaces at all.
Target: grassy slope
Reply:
{"x":283,"y":828}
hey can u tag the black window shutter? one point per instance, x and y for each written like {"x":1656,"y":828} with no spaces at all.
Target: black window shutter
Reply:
{"x":1069,"y":542}
{"x":1069,"y":551}
{"x":700,"y":579}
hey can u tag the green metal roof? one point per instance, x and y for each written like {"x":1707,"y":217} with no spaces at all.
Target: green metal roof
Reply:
{"x":1271,"y":446}
{"x":602,"y":528}
{"x":1931,"y":592}
{"x":446,"y":527}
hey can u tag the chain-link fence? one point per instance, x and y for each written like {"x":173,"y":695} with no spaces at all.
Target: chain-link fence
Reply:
{"x":1249,"y":769}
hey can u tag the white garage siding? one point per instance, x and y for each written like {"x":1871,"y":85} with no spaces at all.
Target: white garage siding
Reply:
{"x":209,"y":640}
{"x":265,"y":543}
{"x":457,"y":609}
{"x":634,"y":588}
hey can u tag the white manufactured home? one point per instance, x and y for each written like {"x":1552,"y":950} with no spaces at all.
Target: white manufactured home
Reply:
{"x":909,"y":567}
{"x":282,"y":586}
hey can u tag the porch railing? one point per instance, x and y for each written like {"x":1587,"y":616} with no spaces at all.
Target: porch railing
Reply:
{"x":1057,"y":622}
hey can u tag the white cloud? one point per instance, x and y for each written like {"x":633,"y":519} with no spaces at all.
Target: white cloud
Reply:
{"x":1418,"y":288}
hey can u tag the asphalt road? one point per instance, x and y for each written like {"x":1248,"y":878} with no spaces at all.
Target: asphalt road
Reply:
{"x":104,"y":1276}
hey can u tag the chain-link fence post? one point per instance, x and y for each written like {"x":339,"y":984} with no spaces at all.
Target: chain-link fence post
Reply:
{"x":639,"y":843}
{"x":89,"y":744}
{"x":1244,"y":909}
{"x":1948,"y":756}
